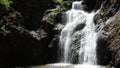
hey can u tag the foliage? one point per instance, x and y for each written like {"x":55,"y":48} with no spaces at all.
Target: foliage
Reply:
{"x":61,"y":4}
{"x":60,"y":1}
{"x":6,"y":2}
{"x":3,"y":28}
{"x":62,"y":8}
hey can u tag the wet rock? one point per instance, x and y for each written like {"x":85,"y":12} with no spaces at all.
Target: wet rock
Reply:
{"x":103,"y":53}
{"x":107,"y":24}
{"x":108,"y":9}
{"x":114,"y":44}
{"x":39,"y":34}
{"x":110,"y":33}
{"x":80,"y":27}
{"x":75,"y":47}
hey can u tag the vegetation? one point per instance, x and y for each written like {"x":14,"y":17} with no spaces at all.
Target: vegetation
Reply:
{"x":60,"y":1}
{"x":61,"y":4}
{"x":62,"y":7}
{"x":3,"y":28}
{"x":6,"y":2}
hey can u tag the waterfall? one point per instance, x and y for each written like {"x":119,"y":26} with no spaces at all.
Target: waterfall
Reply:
{"x":87,"y":51}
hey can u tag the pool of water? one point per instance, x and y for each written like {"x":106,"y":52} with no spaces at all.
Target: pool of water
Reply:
{"x":66,"y":65}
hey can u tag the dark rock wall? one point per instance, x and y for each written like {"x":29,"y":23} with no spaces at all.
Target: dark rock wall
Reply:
{"x":24,"y":38}
{"x":32,"y":11}
{"x":92,"y":4}
{"x":107,"y":21}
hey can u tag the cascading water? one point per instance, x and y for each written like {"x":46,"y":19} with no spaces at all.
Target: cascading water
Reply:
{"x":78,"y":37}
{"x":87,"y":51}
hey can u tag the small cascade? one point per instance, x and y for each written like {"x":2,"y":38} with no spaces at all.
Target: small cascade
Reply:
{"x":87,"y":51}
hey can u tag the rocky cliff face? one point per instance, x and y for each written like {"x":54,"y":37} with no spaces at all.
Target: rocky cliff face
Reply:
{"x":108,"y":26}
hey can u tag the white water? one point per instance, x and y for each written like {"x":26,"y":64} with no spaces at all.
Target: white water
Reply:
{"x":65,"y":65}
{"x":87,"y":52}
{"x":88,"y":42}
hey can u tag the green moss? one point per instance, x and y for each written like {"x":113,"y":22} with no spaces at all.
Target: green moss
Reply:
{"x":6,"y":2}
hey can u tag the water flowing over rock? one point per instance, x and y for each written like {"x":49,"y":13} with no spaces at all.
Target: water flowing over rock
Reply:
{"x":32,"y":30}
{"x":86,"y":48}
